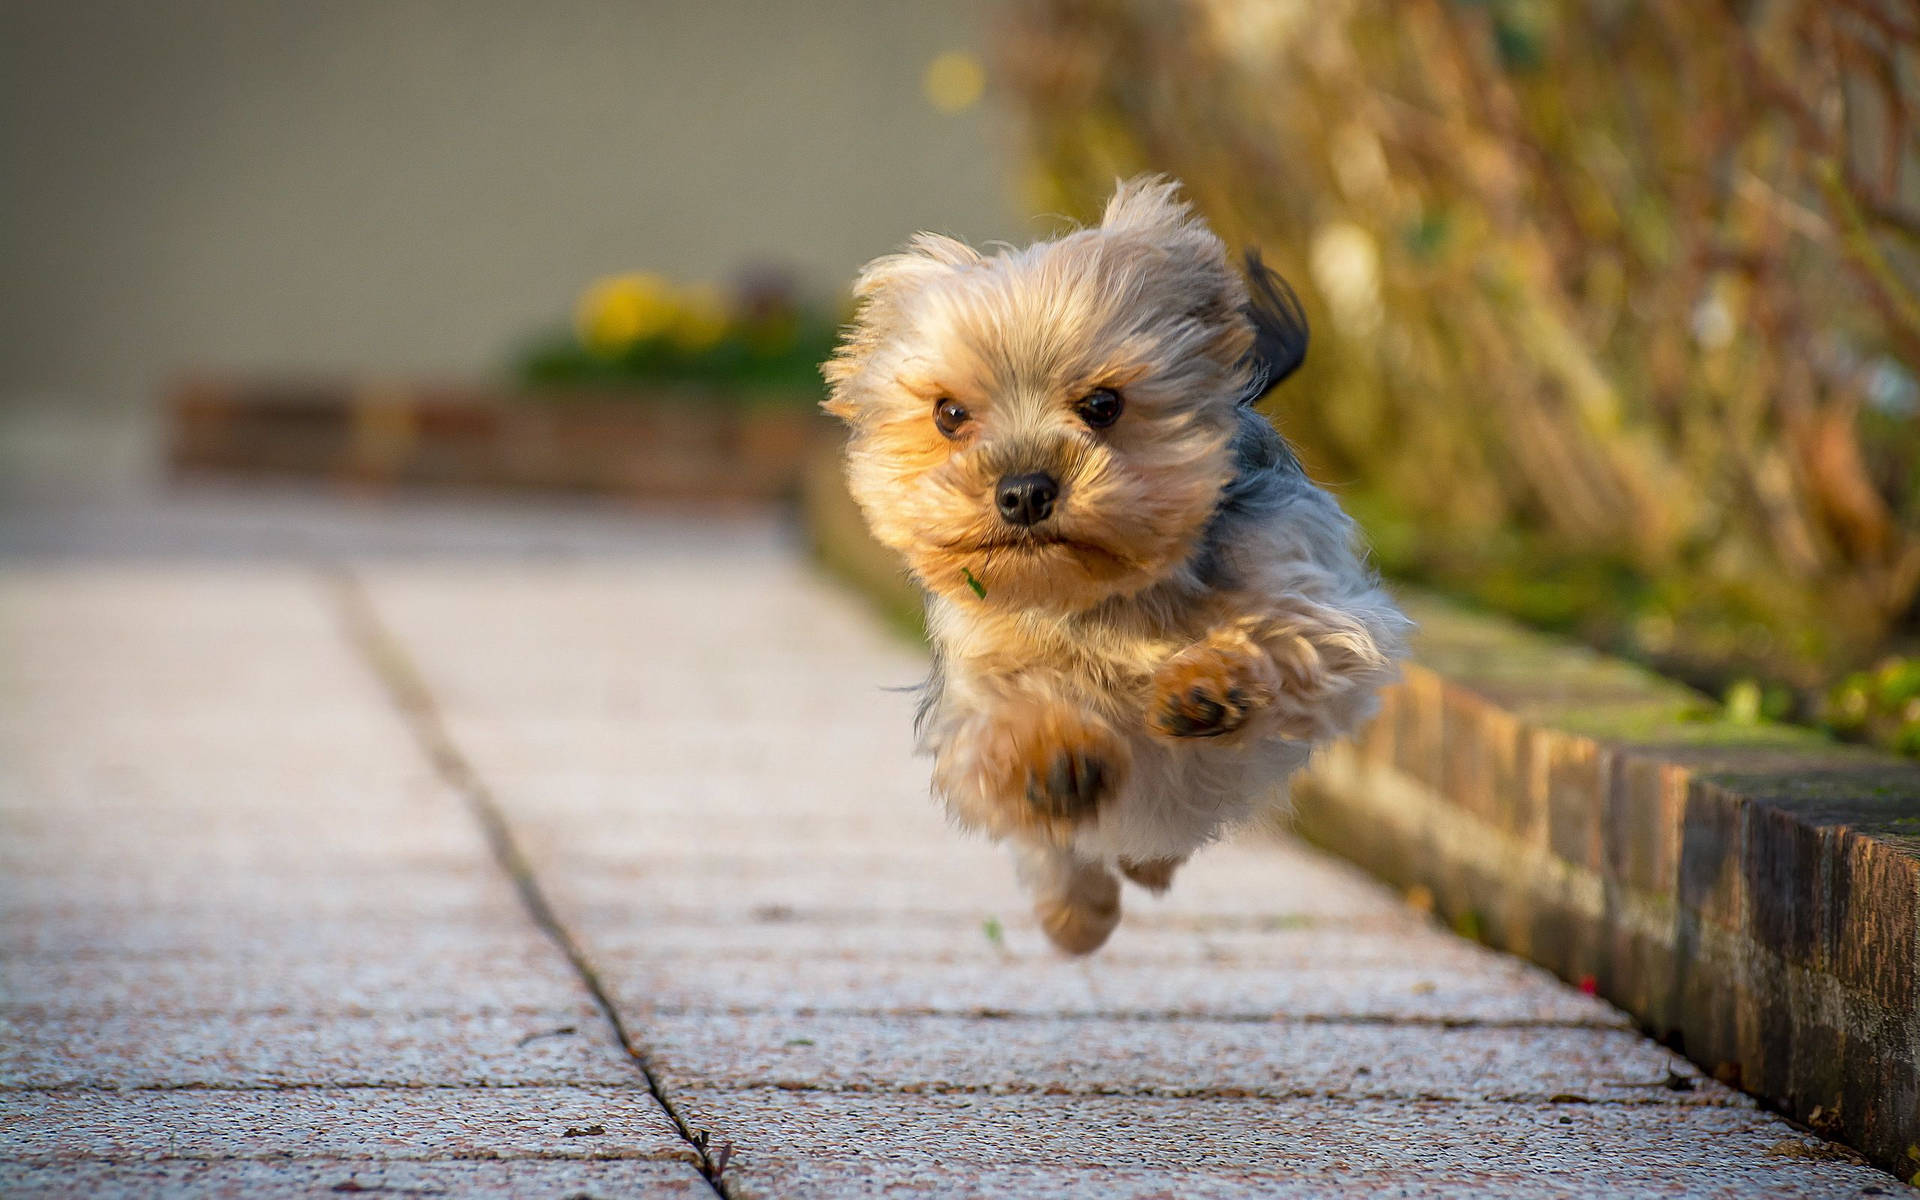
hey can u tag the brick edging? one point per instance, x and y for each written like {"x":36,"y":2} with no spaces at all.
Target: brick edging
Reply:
{"x":673,"y":444}
{"x":1750,"y":893}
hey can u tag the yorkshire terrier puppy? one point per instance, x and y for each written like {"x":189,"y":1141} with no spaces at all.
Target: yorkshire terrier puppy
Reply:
{"x":1143,"y":614}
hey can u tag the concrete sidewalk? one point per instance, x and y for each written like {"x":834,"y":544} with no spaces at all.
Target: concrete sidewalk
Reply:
{"x":449,"y":854}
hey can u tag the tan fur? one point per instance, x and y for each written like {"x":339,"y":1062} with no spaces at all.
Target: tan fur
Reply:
{"x":1017,"y":339}
{"x":1077,"y":903}
{"x":1213,"y":687}
{"x":1051,"y":758}
{"x":1106,"y":705}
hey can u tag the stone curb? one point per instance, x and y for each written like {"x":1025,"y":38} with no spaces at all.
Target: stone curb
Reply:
{"x":655,"y":445}
{"x":1750,"y":893}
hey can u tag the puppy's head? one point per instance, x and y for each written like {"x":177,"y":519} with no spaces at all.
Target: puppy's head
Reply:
{"x":1046,"y":426}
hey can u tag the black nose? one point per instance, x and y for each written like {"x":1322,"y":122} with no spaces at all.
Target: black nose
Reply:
{"x":1027,"y":499}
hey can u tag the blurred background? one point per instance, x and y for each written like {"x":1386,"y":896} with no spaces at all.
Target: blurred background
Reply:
{"x":1617,"y":304}
{"x":423,"y":190}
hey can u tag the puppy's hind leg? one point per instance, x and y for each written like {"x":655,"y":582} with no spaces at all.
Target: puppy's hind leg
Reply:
{"x":1077,"y":902}
{"x":1153,"y":874}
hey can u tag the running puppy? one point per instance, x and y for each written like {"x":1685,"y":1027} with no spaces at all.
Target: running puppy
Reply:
{"x":1144,"y":615}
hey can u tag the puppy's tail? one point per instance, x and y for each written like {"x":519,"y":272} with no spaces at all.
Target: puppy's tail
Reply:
{"x":1279,"y":329}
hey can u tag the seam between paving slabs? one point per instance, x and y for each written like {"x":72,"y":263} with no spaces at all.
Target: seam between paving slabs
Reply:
{"x":305,"y":1159}
{"x":408,"y":690}
{"x":775,"y":1083}
{"x":1149,"y":1017}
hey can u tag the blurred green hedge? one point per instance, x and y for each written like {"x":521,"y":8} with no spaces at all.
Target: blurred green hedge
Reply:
{"x":1617,"y":303}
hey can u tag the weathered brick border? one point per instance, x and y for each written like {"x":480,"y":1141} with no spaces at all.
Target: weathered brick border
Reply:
{"x":1751,"y":893}
{"x":671,"y":445}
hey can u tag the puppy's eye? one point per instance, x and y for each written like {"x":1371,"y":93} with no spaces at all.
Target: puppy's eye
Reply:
{"x":949,"y":416}
{"x":1100,"y":407}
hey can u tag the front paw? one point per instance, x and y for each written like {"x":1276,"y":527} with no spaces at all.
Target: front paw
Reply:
{"x":1066,"y":783}
{"x":1211,"y":689}
{"x":1033,"y":770}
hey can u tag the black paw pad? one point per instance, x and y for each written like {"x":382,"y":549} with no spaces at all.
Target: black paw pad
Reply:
{"x":1073,"y":786}
{"x":1198,"y":713}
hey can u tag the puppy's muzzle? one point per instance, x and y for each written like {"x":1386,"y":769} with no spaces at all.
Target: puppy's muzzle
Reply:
{"x":1026,"y":499}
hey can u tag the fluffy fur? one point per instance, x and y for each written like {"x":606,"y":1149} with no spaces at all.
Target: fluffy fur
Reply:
{"x":1150,"y":662}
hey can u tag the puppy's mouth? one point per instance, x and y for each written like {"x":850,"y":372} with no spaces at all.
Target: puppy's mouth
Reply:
{"x":1030,"y":543}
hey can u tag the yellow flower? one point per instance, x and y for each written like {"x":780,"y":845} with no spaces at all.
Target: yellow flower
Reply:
{"x":702,"y":318}
{"x":953,"y":81}
{"x":620,"y":310}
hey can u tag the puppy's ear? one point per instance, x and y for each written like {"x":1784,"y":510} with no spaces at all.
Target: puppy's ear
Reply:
{"x":1146,"y":204}
{"x":882,"y":288}
{"x":927,"y":255}
{"x":1279,"y":329}
{"x":1188,"y":257}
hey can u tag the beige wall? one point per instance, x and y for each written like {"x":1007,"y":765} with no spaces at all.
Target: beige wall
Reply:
{"x":384,"y":184}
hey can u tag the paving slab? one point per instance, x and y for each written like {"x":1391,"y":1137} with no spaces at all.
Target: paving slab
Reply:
{"x":717,"y":792}
{"x":861,"y":887}
{"x":420,"y":1123}
{"x":981,"y":938}
{"x":254,"y":939}
{"x":514,"y":977}
{"x":1417,"y":994}
{"x":838,"y":1144}
{"x":340,"y":924}
{"x":241,"y":918}
{"x":1272,"y":1059}
{"x":287,"y":1048}
{"x":494,"y":1179}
